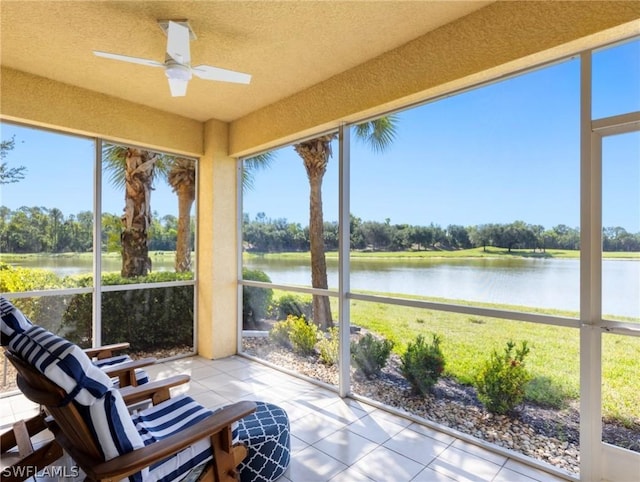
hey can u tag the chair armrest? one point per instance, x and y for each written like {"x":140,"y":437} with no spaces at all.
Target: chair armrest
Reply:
{"x":126,"y":371}
{"x":105,"y":351}
{"x":33,"y":426}
{"x":157,"y":391}
{"x":132,"y":462}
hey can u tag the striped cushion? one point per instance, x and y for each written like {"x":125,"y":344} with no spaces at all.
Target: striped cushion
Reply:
{"x":101,"y":406}
{"x":168,"y":418}
{"x":141,"y":376}
{"x":13,"y":321}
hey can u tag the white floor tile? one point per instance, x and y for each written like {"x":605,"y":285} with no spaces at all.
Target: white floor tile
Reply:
{"x":430,"y":475}
{"x":531,"y":472}
{"x":312,"y":428}
{"x":342,"y":412}
{"x":230,"y":364}
{"x":385,"y":465}
{"x":211,"y":400}
{"x":463,"y":466}
{"x":416,"y":446}
{"x":429,"y":432}
{"x":480,"y":452}
{"x":297,"y":444}
{"x":294,"y":410}
{"x":351,"y":475}
{"x":312,"y":465}
{"x":345,"y":446}
{"x":506,"y":475}
{"x":376,"y":430}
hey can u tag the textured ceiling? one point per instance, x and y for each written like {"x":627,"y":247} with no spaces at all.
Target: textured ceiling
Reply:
{"x":287,"y":46}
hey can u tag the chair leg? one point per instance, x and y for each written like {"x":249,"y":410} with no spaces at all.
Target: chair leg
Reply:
{"x":225,"y":457}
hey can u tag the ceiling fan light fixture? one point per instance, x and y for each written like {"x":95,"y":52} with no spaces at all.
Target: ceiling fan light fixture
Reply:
{"x":177,"y":71}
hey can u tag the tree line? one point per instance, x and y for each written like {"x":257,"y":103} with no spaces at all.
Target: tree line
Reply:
{"x":266,"y":235}
{"x":42,"y":230}
{"x":47,"y":230}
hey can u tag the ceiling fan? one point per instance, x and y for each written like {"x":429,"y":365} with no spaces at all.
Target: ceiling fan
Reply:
{"x":177,"y":63}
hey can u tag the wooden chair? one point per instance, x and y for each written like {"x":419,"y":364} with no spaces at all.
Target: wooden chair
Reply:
{"x":19,"y":458}
{"x":128,"y":372}
{"x":73,"y":432}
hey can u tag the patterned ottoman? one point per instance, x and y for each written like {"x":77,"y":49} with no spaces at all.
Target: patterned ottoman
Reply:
{"x":266,"y":434}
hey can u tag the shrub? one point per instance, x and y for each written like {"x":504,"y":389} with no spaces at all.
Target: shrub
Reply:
{"x":303,"y":336}
{"x":281,"y":331}
{"x":290,"y":304}
{"x":295,"y":333}
{"x":370,"y":354}
{"x":329,"y":347}
{"x":150,"y":318}
{"x":255,"y":301}
{"x":502,"y":379}
{"x":422,"y":364}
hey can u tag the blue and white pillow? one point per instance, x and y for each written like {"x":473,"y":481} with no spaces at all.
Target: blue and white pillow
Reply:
{"x":13,"y":321}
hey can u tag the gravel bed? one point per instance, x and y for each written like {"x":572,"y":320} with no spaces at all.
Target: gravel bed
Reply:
{"x":549,"y":435}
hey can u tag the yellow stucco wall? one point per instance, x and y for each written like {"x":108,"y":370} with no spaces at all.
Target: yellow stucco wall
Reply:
{"x":496,"y":40}
{"x":46,"y":103}
{"x":216,"y":248}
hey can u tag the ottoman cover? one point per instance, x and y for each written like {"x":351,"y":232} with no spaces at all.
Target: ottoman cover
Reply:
{"x":266,"y":434}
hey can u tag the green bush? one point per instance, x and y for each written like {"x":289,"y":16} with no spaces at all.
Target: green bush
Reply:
{"x":422,"y":364}
{"x":329,"y":346}
{"x":148,"y":318}
{"x":295,"y":333}
{"x":280,"y":332}
{"x":255,"y":301}
{"x":303,"y":336}
{"x":16,"y":279}
{"x":290,"y":304}
{"x":370,"y":354}
{"x":502,"y":379}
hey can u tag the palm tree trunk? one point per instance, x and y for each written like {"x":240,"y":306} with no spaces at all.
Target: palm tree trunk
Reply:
{"x":137,"y":213}
{"x":315,"y":154}
{"x":186,"y":196}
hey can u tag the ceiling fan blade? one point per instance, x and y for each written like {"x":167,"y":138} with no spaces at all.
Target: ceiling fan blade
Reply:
{"x":126,"y":58}
{"x":178,"y":87}
{"x":208,"y":72}
{"x":178,"y":43}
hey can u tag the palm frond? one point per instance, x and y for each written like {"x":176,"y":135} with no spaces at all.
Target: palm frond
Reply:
{"x":378,"y":133}
{"x":253,"y":164}
{"x":114,"y":164}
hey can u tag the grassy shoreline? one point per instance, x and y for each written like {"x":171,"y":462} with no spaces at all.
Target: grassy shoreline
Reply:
{"x":489,"y":252}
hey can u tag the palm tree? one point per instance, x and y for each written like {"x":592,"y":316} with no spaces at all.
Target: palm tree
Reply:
{"x":315,"y":154}
{"x":182,"y":178}
{"x":135,"y":169}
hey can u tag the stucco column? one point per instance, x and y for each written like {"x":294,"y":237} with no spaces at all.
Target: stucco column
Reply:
{"x":216,"y":249}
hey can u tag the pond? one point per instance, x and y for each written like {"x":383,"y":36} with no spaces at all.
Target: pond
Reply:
{"x":545,"y":283}
{"x":533,"y":282}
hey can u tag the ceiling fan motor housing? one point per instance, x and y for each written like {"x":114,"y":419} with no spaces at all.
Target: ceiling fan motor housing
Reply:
{"x":176,"y":71}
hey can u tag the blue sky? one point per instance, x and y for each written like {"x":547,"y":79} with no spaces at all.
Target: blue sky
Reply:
{"x":508,"y":151}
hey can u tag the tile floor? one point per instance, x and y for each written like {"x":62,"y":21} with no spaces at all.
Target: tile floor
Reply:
{"x":333,"y":439}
